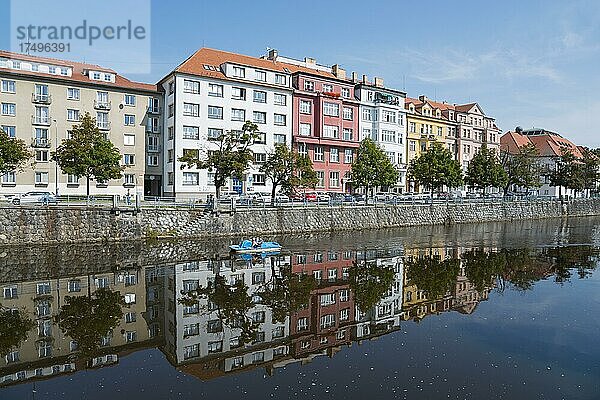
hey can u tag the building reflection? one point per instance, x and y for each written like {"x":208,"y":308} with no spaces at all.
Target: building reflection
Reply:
{"x":294,"y":306}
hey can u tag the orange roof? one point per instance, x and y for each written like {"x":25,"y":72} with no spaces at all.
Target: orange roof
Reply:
{"x":548,"y":145}
{"x":464,"y":107}
{"x":194,"y":65}
{"x":77,"y":74}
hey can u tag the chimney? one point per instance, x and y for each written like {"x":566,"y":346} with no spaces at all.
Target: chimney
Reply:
{"x":354,"y":77}
{"x":364,"y":79}
{"x":272,"y":55}
{"x":378,"y":82}
{"x":338,"y":72}
{"x":423,"y":98}
{"x":309,"y":61}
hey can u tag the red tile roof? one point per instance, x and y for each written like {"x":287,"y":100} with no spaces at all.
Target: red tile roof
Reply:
{"x":77,"y":72}
{"x":548,"y":145}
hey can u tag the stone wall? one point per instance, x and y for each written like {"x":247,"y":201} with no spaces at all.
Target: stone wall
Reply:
{"x":22,"y":225}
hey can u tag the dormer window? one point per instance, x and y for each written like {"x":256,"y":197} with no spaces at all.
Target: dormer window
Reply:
{"x":239,"y":72}
{"x":52,"y":70}
{"x":64,"y":71}
{"x":95,"y":75}
{"x":16,"y":64}
{"x":107,"y":77}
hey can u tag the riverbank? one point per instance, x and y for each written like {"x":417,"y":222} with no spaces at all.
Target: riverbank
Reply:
{"x":23,"y":225}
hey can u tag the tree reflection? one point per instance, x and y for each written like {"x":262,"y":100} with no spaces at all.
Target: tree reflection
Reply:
{"x":369,"y":282}
{"x":88,"y":319}
{"x":432,"y":274}
{"x":566,"y":258}
{"x":287,"y":293}
{"x":14,"y":326}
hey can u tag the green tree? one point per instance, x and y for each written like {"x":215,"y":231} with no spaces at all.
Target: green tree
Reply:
{"x":482,"y":267}
{"x":14,"y":153}
{"x":87,"y":153}
{"x":369,"y":282}
{"x":289,"y":170}
{"x":230,"y":159}
{"x":585,"y":171}
{"x":436,"y":168}
{"x":87,"y":319}
{"x":522,"y":169}
{"x":287,"y":293}
{"x":14,"y":326}
{"x":372,"y":168}
{"x":433,"y":275}
{"x":564,"y":173}
{"x":485,"y":170}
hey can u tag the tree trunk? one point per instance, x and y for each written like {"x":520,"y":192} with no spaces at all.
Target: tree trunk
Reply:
{"x":273,"y":194}
{"x":88,"y":187}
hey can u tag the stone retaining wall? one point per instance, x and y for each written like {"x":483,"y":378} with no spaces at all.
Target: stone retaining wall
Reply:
{"x":22,"y":225}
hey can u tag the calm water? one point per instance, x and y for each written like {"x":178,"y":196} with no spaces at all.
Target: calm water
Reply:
{"x":470,"y":312}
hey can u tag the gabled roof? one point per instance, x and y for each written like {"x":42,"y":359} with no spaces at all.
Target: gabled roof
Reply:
{"x":548,"y":145}
{"x":78,"y":72}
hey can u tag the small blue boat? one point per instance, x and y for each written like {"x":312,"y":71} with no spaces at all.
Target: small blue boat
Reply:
{"x":262,"y":247}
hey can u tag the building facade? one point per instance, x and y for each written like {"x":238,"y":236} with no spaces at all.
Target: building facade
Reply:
{"x":41,"y":99}
{"x":383,"y":119}
{"x":214,"y":92}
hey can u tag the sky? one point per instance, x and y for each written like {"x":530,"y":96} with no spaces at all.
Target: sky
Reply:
{"x":527,"y":63}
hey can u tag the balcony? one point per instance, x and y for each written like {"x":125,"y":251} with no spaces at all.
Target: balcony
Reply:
{"x":41,"y":120}
{"x":427,"y":136}
{"x":102,"y":105}
{"x":153,"y":110}
{"x":103,"y":125}
{"x":40,"y":142}
{"x":153,"y":129}
{"x":153,"y":148}
{"x":41,"y":98}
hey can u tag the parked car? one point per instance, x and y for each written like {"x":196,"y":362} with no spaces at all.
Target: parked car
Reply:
{"x":382,"y":196}
{"x":34,"y":198}
{"x":359,"y":198}
{"x":349,"y":199}
{"x":281,"y":198}
{"x":323,"y":197}
{"x":310,"y":196}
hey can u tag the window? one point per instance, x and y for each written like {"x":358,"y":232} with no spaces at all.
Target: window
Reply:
{"x":331,"y":131}
{"x":215,"y":90}
{"x":348,"y":113}
{"x":44,"y":349}
{"x":153,"y":160}
{"x":191,"y":132}
{"x":191,"y":330}
{"x":129,"y":119}
{"x":41,"y":178}
{"x":388,"y":136}
{"x":258,"y":179}
{"x":366,"y":114}
{"x":388,"y":116}
{"x":305,"y":129}
{"x":346,"y":93}
{"x":280,"y":79}
{"x":130,"y":100}
{"x":74,"y":286}
{"x":280,"y":99}
{"x":8,"y":86}
{"x":302,"y":324}
{"x":260,"y":158}
{"x":72,"y":115}
{"x":129,"y":139}
{"x":327,"y":321}
{"x":279,"y":138}
{"x":190,"y":86}
{"x":215,"y":112}
{"x":261,"y":138}
{"x":191,"y":351}
{"x":309,"y":86}
{"x":334,"y":179}
{"x":412,"y":127}
{"x":12,"y":357}
{"x":42,"y":308}
{"x":334,"y":155}
{"x":10,"y":292}
{"x":239,"y":72}
{"x":259,"y":96}
{"x":171,"y":109}
{"x":260,"y":117}
{"x":348,"y":134}
{"x":318,"y":153}
{"x":190,"y":285}
{"x":215,"y":347}
{"x":128,"y":179}
{"x":129,"y":159}
{"x":278,"y":332}
{"x":9,"y":109}
{"x":41,"y":155}
{"x":327,"y":88}
{"x":279,"y":119}
{"x":10,"y":130}
{"x":190,"y":178}
{"x":320,"y":178}
{"x":260,"y":76}
{"x":238,"y":93}
{"x":238,"y":115}
{"x":344,"y":296}
{"x":305,"y":107}
{"x":258,"y":316}
{"x":348,"y":156}
{"x":191,"y":109}
{"x":214,"y":133}
{"x":9,"y":178}
{"x":331,"y":109}
{"x":171,"y":87}
{"x":327,"y":299}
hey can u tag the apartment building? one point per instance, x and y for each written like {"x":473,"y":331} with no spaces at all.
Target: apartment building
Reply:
{"x":383,"y":119}
{"x":42,"y":98}
{"x":325,"y":119}
{"x":213,"y":92}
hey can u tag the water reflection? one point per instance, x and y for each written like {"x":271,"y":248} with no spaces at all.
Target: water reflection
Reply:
{"x":222,"y":314}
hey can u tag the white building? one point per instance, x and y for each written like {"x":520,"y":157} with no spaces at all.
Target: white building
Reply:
{"x":213,"y":92}
{"x":383,"y":119}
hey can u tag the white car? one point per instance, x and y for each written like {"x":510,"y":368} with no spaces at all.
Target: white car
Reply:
{"x":34,"y":198}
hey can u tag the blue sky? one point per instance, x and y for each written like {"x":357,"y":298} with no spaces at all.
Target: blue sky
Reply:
{"x":528,"y":63}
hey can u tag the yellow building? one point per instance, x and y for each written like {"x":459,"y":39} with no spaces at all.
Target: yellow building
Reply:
{"x":428,"y":121}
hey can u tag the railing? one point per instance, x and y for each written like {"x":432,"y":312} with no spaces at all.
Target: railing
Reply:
{"x":153,"y":110}
{"x":41,"y":98}
{"x":102,"y":105}
{"x":103,"y":125}
{"x":40,"y":142}
{"x":40,"y":120}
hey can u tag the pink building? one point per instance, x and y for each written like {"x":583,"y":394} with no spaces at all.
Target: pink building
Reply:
{"x":325,"y":120}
